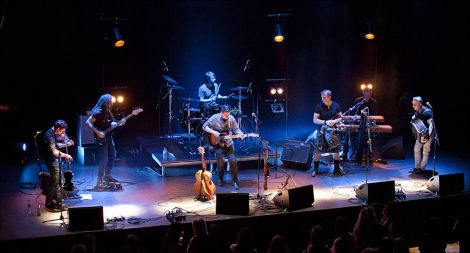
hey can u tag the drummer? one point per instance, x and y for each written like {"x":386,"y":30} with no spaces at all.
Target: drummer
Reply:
{"x":209,"y":93}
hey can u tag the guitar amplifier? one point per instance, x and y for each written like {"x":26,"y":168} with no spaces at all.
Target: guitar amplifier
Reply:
{"x":85,"y":134}
{"x":297,"y":154}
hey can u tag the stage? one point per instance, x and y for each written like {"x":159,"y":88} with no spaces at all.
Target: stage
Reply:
{"x":147,"y":197}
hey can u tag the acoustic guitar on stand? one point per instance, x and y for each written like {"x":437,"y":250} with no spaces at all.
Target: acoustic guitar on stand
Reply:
{"x":204,"y":187}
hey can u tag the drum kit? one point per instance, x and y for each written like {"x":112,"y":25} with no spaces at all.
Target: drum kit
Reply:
{"x":192,"y":118}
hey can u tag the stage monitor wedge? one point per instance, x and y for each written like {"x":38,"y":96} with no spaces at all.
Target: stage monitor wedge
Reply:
{"x":447,"y":184}
{"x":295,"y":198}
{"x":378,"y":192}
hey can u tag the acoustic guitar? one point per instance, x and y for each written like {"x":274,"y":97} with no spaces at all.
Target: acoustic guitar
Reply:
{"x":204,"y":187}
{"x":221,"y":139}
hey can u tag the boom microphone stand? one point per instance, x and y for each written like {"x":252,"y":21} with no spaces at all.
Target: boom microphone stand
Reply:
{"x":258,"y":195}
{"x":369,"y":142}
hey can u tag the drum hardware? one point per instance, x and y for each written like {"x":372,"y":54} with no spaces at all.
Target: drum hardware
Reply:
{"x":170,"y":99}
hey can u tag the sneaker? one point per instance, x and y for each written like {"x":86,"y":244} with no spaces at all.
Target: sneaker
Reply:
{"x":110,"y":179}
{"x":340,"y":171}
{"x":314,"y":174}
{"x":53,"y":208}
{"x":235,"y":185}
{"x":220,"y":183}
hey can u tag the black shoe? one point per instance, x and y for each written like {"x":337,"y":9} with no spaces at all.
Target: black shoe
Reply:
{"x":413,"y":170}
{"x":220,"y":183}
{"x":235,"y":185}
{"x":53,"y":208}
{"x":110,"y":179}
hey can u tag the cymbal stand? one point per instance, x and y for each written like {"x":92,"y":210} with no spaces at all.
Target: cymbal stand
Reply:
{"x":369,"y":143}
{"x":239,"y":108}
{"x":170,"y":111}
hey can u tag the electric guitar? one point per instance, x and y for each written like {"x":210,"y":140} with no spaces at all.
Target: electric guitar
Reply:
{"x":102,"y":141}
{"x":204,"y":187}
{"x":220,"y":140}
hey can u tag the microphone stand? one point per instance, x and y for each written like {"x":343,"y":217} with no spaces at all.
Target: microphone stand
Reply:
{"x":38,"y":160}
{"x":258,"y":195}
{"x":369,"y":144}
{"x":436,"y":142}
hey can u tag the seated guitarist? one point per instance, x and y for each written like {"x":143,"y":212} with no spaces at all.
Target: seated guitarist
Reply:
{"x":101,"y":119}
{"x":326,"y":115}
{"x":223,"y":123}
{"x":423,"y":141}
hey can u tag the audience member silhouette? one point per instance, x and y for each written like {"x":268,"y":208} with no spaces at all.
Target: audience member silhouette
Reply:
{"x":344,"y":242}
{"x":173,"y":239}
{"x":317,"y":241}
{"x":88,"y":241}
{"x":217,"y":238}
{"x":367,"y":231}
{"x":200,"y":240}
{"x":278,"y":245}
{"x":244,"y":242}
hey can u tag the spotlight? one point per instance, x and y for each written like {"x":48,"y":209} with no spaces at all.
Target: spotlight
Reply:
{"x":276,"y":91}
{"x":120,"y":99}
{"x":273,"y":91}
{"x":119,"y":42}
{"x":278,"y":35}
{"x":370,"y":35}
{"x":280,"y":90}
{"x":114,"y":99}
{"x":368,"y":86}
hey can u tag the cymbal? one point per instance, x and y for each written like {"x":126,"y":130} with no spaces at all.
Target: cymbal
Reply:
{"x":239,"y":97}
{"x":192,"y":109}
{"x":169,"y":79}
{"x":175,"y":87}
{"x":239,"y":88}
{"x":189,"y":99}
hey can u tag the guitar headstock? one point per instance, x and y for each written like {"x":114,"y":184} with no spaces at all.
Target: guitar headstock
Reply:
{"x":137,"y":110}
{"x":252,"y":135}
{"x":200,"y":150}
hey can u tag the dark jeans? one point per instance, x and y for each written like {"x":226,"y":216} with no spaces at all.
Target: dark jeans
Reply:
{"x":106,"y":156}
{"x":55,"y":192}
{"x":219,"y":155}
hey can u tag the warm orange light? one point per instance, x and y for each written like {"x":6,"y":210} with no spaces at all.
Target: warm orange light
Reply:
{"x":278,"y":38}
{"x":366,"y":86}
{"x":119,"y":43}
{"x":280,"y":91}
{"x":369,"y":36}
{"x":120,"y":99}
{"x":273,"y":91}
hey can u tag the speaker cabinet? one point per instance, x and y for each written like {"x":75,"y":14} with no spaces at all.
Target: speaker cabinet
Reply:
{"x":87,"y":155}
{"x":86,"y":218}
{"x":297,"y":154}
{"x":379,"y":192}
{"x":232,"y":203}
{"x":446,"y":184}
{"x":85,"y":134}
{"x":295,"y":198}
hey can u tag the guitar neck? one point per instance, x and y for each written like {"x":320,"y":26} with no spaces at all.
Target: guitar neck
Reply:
{"x":203,"y":162}
{"x":107,"y":131}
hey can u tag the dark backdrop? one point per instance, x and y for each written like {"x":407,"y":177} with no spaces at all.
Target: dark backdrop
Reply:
{"x":58,"y":59}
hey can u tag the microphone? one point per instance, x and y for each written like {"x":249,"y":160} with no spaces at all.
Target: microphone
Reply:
{"x":365,"y":109}
{"x":429,"y":104}
{"x":246,"y":64}
{"x":38,"y":131}
{"x":166,"y":68}
{"x":253,"y":115}
{"x":249,"y":87}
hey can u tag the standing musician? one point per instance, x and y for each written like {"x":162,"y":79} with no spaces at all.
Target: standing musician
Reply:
{"x":209,"y":92}
{"x":55,"y":138}
{"x":219,"y":123}
{"x":359,"y":140}
{"x":101,"y":118}
{"x":327,"y":114}
{"x":422,"y":128}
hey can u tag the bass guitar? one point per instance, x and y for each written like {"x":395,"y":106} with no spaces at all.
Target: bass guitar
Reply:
{"x":102,"y":141}
{"x":219,"y":141}
{"x":204,"y":187}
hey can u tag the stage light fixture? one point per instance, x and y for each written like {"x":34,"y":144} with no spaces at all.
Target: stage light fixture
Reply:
{"x":276,"y":91}
{"x":370,"y":35}
{"x":278,"y":34}
{"x":368,"y":86}
{"x":119,"y":41}
{"x":120,"y":99}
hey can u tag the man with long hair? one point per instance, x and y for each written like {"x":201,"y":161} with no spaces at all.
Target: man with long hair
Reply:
{"x":101,"y":118}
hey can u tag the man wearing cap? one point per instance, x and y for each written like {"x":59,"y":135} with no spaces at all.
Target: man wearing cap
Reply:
{"x":223,"y":123}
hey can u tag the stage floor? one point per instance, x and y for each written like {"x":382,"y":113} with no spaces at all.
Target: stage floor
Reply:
{"x":147,"y":195}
